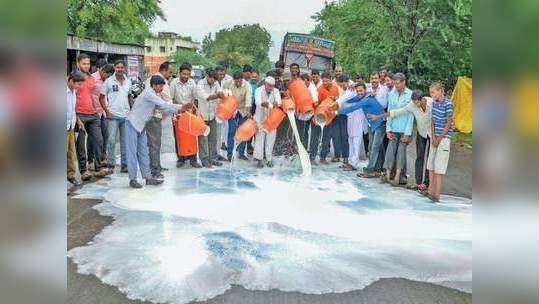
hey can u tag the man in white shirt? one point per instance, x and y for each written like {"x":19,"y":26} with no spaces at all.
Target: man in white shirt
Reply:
{"x":209,"y":95}
{"x":74,"y":81}
{"x":154,"y":126}
{"x":115,"y":90}
{"x":315,"y":78}
{"x":224,"y":81}
{"x":183,"y":92}
{"x":266,"y":97}
{"x":377,"y":90}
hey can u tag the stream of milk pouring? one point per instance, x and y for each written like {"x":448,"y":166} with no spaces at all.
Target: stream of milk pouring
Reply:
{"x":303,"y":155}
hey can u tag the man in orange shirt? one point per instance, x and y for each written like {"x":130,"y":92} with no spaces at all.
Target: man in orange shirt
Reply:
{"x":326,"y":90}
{"x":91,"y":120}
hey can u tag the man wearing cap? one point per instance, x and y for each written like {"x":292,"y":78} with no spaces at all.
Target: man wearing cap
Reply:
{"x":136,"y":137}
{"x":266,"y":97}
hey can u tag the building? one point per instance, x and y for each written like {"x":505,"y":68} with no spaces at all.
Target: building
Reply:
{"x":159,"y":48}
{"x":131,"y":54}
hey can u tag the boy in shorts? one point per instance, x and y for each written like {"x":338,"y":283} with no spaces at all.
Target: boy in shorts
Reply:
{"x":441,"y":130}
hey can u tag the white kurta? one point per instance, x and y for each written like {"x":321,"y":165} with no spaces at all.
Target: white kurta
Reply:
{"x":357,"y":126}
{"x":264,"y":141}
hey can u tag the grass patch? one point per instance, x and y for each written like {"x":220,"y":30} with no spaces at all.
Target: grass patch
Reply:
{"x":464,"y":139}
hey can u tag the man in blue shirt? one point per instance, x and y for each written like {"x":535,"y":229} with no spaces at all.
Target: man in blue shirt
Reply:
{"x":369,"y":105}
{"x":399,"y":130}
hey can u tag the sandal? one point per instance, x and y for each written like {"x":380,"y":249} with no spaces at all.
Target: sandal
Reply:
{"x":349,"y":168}
{"x":412,"y":187}
{"x":422,"y":187}
{"x":367,"y":174}
{"x":383,"y":179}
{"x":395,"y":184}
{"x":433,"y":199}
{"x":425,"y":192}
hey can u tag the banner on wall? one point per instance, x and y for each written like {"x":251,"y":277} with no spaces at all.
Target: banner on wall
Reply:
{"x":133,"y":65}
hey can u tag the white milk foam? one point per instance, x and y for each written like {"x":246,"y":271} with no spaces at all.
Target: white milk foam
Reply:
{"x":205,"y":230}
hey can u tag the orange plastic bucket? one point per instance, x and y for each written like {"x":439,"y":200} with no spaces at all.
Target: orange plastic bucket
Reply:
{"x":288,"y":105}
{"x":301,"y":96}
{"x":227,"y":107}
{"x":187,"y":143}
{"x":274,"y":119}
{"x":245,"y":131}
{"x":325,"y":112}
{"x":191,"y":124}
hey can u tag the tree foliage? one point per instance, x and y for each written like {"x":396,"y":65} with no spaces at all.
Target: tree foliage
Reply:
{"x":239,"y":45}
{"x":193,"y":58}
{"x":126,"y":21}
{"x":428,"y":40}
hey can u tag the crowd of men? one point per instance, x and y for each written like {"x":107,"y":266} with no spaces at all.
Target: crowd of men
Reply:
{"x":374,"y":122}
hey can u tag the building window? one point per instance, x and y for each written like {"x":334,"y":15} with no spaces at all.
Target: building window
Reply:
{"x":149,"y":49}
{"x":162,"y":49}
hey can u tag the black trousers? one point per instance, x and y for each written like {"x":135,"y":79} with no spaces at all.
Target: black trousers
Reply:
{"x":303,"y":130}
{"x":154,"y":132}
{"x":422,"y":151}
{"x":340,"y":136}
{"x":366,"y":142}
{"x":105,"y":133}
{"x":92,"y":126}
{"x":327,"y":134}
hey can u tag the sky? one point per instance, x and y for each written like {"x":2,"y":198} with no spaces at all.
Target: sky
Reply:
{"x":197,"y":18}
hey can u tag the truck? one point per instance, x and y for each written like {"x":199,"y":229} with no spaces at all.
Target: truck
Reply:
{"x":308,"y":51}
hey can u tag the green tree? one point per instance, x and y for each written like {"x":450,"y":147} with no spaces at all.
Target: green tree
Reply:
{"x":429,"y":40}
{"x":126,"y":21}
{"x":239,"y":45}
{"x":193,"y":58}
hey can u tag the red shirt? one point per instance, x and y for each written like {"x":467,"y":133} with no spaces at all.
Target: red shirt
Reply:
{"x":85,"y":103}
{"x":324,"y":93}
{"x":96,"y":92}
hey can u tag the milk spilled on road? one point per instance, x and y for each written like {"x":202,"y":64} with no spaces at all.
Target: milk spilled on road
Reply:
{"x":303,"y":155}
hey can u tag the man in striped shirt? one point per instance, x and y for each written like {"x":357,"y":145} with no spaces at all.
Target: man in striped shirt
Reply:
{"x":441,"y":130}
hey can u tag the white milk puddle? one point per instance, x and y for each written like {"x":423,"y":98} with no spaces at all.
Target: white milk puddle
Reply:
{"x":205,"y":230}
{"x":303,"y":155}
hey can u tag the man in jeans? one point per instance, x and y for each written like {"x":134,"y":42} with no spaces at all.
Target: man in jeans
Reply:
{"x":398,"y":130}
{"x":136,"y":138}
{"x":369,"y":105}
{"x":116,"y":90}
{"x":209,"y":94}
{"x":89,"y":117}
{"x":240,"y":89}
{"x":154,"y":128}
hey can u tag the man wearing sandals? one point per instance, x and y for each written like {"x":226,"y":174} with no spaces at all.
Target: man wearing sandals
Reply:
{"x":398,"y":130}
{"x":441,"y":130}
